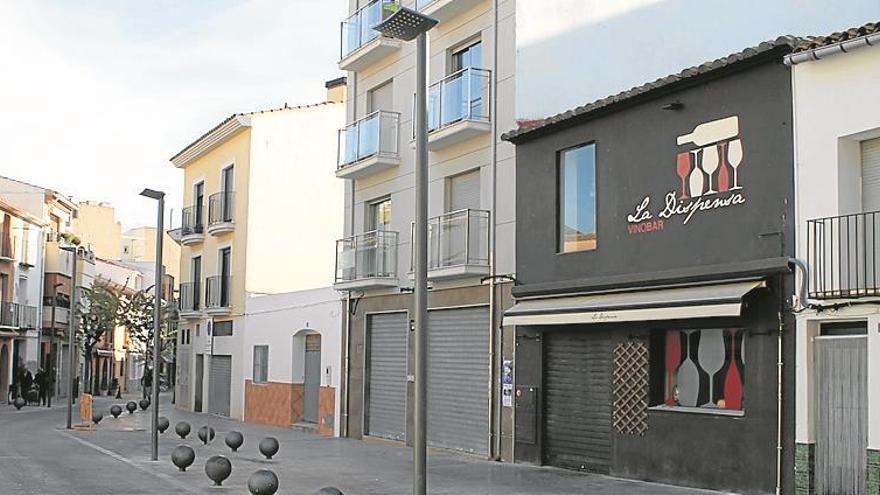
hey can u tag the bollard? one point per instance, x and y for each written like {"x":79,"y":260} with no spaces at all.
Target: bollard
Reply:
{"x":131,"y":407}
{"x":163,"y":424}
{"x":97,"y":416}
{"x":183,"y":457}
{"x":234,"y":440}
{"x":329,"y":490}
{"x":269,"y":447}
{"x":19,"y":403}
{"x":144,"y":403}
{"x":263,"y":482}
{"x":115,"y":410}
{"x":218,"y":468}
{"x":206,"y":434}
{"x":182,"y":428}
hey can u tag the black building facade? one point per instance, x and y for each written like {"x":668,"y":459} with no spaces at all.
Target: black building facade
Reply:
{"x":654,"y":287}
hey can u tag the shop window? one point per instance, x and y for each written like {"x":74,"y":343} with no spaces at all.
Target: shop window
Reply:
{"x":698,"y":369}
{"x":577,"y":199}
{"x":261,"y":363}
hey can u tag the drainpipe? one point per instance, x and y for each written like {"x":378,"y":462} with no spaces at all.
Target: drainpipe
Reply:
{"x":833,"y":49}
{"x":494,"y":331}
{"x":343,"y":432}
{"x":779,"y":365}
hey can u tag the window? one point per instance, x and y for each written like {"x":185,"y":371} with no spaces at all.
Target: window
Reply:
{"x":379,"y":215}
{"x":700,"y":369}
{"x":222,"y":328}
{"x":198,"y":329}
{"x":577,"y":199}
{"x":261,"y":363}
{"x":470,"y":56}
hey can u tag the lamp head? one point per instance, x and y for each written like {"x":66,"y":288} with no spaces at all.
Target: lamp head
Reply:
{"x":403,"y":23}
{"x":152,"y":194}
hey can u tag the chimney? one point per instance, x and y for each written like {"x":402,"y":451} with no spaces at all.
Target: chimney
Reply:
{"x":336,"y":89}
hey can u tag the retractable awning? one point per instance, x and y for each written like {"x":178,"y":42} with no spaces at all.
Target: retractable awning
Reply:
{"x":672,"y":303}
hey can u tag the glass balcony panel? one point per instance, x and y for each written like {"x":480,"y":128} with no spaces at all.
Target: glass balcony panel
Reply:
{"x":458,"y":238}
{"x":375,"y":134}
{"x":368,"y":131}
{"x":369,"y":255}
{"x":357,"y":30}
{"x":463,"y":95}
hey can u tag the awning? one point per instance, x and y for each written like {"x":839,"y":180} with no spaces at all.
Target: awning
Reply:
{"x":672,"y":303}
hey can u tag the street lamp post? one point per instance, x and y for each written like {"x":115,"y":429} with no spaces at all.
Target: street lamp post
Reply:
{"x":157,"y":318}
{"x":71,"y":338}
{"x":407,"y":24}
{"x":49,"y":370}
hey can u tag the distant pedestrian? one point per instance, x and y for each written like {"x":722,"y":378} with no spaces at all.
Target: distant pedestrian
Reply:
{"x":147,"y":382}
{"x":42,"y":388}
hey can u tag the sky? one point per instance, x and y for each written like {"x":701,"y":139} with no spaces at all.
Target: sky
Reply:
{"x":97,"y":95}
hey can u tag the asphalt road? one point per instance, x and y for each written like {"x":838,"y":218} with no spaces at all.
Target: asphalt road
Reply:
{"x":39,"y":457}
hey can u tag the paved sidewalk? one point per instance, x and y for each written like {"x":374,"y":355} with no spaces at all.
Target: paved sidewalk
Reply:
{"x":118,"y":453}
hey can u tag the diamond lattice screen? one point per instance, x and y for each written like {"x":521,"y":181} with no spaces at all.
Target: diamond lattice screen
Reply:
{"x":631,"y":388}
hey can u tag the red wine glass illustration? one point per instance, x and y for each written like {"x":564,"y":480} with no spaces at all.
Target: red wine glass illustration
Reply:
{"x":733,"y":390}
{"x":683,"y":168}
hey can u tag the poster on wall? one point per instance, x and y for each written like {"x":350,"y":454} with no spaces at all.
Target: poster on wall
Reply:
{"x":507,"y":383}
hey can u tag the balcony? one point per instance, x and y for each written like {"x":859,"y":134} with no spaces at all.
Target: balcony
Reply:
{"x":361,"y":45}
{"x":7,"y":249}
{"x":367,"y":261}
{"x":459,"y":108}
{"x":10,"y":314}
{"x":217,"y":295}
{"x":192,"y":227}
{"x":842,"y":253}
{"x":62,"y":317}
{"x":443,"y":10}
{"x":458,"y":245}
{"x":221,"y":212}
{"x":190,"y":295}
{"x":369,"y":145}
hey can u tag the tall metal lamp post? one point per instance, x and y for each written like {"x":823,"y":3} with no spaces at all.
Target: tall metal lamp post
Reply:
{"x":72,"y":355}
{"x":48,"y":368}
{"x":407,"y":24}
{"x":157,"y":318}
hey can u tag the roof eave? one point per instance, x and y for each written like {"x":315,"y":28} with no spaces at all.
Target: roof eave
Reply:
{"x":213,"y":138}
{"x":838,"y":48}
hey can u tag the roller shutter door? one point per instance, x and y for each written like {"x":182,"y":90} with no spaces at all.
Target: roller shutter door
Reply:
{"x":577,"y":383}
{"x":458,"y":379}
{"x":386,"y":376}
{"x":219,"y":388}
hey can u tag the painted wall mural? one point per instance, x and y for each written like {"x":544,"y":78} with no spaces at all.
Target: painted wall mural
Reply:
{"x":704,"y":368}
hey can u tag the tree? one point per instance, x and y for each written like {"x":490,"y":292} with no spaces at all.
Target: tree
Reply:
{"x":136,"y":315}
{"x":98,"y":315}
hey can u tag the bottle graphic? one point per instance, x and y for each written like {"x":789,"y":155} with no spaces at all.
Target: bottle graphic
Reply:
{"x":712,"y":132}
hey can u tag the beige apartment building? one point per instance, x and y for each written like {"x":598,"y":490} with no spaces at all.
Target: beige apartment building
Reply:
{"x":258,"y":218}
{"x":471,"y":94}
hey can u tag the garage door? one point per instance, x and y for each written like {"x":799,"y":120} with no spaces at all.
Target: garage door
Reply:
{"x":221,"y":381}
{"x":386,"y":376}
{"x":458,"y":379}
{"x":577,"y":383}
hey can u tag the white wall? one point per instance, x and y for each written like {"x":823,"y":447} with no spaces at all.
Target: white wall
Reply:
{"x":572,"y":52}
{"x":281,"y":321}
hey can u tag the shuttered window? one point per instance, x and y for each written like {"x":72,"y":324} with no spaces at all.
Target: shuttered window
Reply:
{"x":261,"y":363}
{"x":871,"y":175}
{"x":463,"y":191}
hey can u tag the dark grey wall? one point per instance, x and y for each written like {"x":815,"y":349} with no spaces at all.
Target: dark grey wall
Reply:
{"x":636,"y":157}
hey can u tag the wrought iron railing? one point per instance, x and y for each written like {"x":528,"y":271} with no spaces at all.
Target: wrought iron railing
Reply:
{"x":192,"y":221}
{"x":221,"y":207}
{"x":217,"y":292}
{"x":357,"y":30}
{"x":458,"y":238}
{"x":842,"y":253}
{"x":369,"y":255}
{"x":375,"y":134}
{"x":190,"y":294}
{"x":10,"y":314}
{"x":462,"y":95}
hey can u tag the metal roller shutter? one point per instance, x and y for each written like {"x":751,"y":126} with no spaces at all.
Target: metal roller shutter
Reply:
{"x":386,"y":374}
{"x":458,"y":379}
{"x":577,"y":383}
{"x":219,"y":387}
{"x":871,"y":175}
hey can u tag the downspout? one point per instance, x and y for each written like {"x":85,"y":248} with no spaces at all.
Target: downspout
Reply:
{"x":347,"y":334}
{"x":494,"y":332}
{"x":779,"y":365}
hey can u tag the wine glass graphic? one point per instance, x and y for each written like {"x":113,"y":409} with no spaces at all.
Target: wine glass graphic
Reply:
{"x":696,"y":179}
{"x":710,"y":164}
{"x":734,"y":158}
{"x":711,"y":357}
{"x":683,"y":168}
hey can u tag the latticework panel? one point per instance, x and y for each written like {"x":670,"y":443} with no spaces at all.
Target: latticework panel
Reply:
{"x":631,"y":388}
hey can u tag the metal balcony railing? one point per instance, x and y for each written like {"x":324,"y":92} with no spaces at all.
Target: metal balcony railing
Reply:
{"x":190,"y":295}
{"x":375,"y":134}
{"x":217,"y":292}
{"x":369,"y":255}
{"x":192,"y":221}
{"x":458,"y":238}
{"x":221,"y":207}
{"x":27,"y":316}
{"x":462,"y":95}
{"x":10,"y":314}
{"x":842,"y":252}
{"x":357,"y":30}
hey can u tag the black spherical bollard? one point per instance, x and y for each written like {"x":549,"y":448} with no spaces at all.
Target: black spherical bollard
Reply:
{"x":19,"y":403}
{"x":218,"y":468}
{"x":131,"y":407}
{"x":144,"y":403}
{"x":183,"y":457}
{"x":182,"y":429}
{"x":234,"y":440}
{"x":329,"y":490}
{"x":163,"y":424}
{"x":263,"y":482}
{"x":115,"y":410}
{"x":97,"y":416}
{"x":269,"y":447}
{"x":206,"y":434}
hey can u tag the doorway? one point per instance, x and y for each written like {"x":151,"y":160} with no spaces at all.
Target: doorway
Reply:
{"x":200,"y":378}
{"x":312,"y":381}
{"x":841,"y":414}
{"x":4,"y":370}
